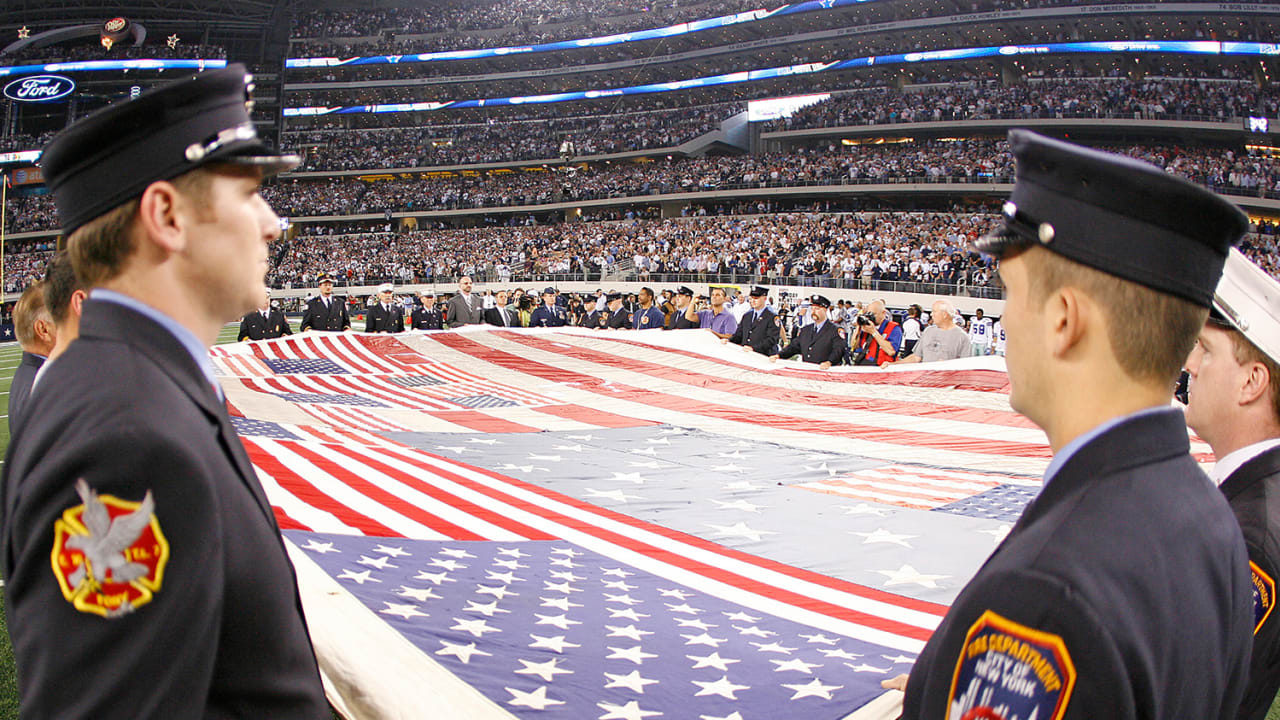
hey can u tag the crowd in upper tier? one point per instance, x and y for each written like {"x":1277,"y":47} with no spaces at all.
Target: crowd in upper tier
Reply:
{"x":489,"y":23}
{"x":1228,"y":170}
{"x":503,"y":142}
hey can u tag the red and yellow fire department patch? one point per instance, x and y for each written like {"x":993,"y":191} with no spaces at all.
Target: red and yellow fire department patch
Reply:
{"x":1264,"y":596}
{"x":109,"y":554}
{"x":1007,"y":670}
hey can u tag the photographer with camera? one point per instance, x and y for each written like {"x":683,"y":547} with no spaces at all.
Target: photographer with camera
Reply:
{"x":878,"y":338}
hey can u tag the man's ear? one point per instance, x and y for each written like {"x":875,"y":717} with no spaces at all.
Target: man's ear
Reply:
{"x":77,"y":302}
{"x":1067,"y":314}
{"x":1256,"y":384}
{"x":161,"y":216}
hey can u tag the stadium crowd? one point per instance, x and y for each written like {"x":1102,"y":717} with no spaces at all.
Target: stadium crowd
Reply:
{"x":874,"y":250}
{"x":369,"y":32}
{"x":1151,"y":99}
{"x":975,"y":160}
{"x":499,"y":142}
{"x":431,"y":145}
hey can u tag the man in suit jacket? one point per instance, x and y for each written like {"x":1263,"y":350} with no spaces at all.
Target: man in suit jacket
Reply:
{"x":1083,"y":609}
{"x":427,"y":316}
{"x":464,"y":308}
{"x":760,"y":330}
{"x":500,"y":315}
{"x":385,"y":314}
{"x":265,"y":323}
{"x":37,"y":335}
{"x":326,"y":312}
{"x":1234,"y":404}
{"x":168,"y":568}
{"x":820,"y":342}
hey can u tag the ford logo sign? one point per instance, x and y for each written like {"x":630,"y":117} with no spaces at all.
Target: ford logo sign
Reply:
{"x":39,"y":88}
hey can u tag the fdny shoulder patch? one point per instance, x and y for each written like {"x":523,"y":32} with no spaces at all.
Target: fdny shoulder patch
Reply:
{"x":1264,"y":596}
{"x":109,"y":554}
{"x":1008,"y":671}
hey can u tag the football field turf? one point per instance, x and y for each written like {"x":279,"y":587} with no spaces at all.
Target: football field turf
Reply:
{"x":9,"y":356}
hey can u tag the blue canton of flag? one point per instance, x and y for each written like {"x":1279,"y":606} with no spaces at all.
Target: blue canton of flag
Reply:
{"x":482,"y":401}
{"x":358,"y":400}
{"x":304,"y":367}
{"x":261,"y":428}
{"x":1003,"y":502}
{"x":412,"y":381}
{"x":549,"y":629}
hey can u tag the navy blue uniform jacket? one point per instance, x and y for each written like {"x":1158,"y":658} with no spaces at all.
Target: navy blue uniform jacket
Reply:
{"x":1122,"y":592}
{"x":762,"y":336}
{"x":318,"y":317}
{"x":817,"y":347}
{"x":379,"y":320}
{"x":127,"y":410}
{"x":1254,"y":493}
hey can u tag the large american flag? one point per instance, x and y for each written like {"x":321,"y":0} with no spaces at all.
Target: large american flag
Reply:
{"x":573,"y":524}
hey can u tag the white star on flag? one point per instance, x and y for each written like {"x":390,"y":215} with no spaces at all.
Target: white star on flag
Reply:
{"x":536,"y":700}
{"x":813,"y":688}
{"x":721,"y":687}
{"x":322,"y":548}
{"x":773,"y":647}
{"x":487,"y":609}
{"x":630,"y":711}
{"x":434,"y":578}
{"x":908,"y":575}
{"x":882,"y":535}
{"x":739,"y":530}
{"x":863,"y":667}
{"x":559,"y":603}
{"x":819,"y":638}
{"x":713,"y":661}
{"x":795,"y":664}
{"x":630,"y":631}
{"x":419,"y":594}
{"x":635,"y":654}
{"x":392,"y":551}
{"x":545,"y":670}
{"x":477,"y":627}
{"x":462,"y":652}
{"x":615,"y":495}
{"x":703,"y":639}
{"x":360,"y":577}
{"x":840,"y":653}
{"x":404,"y":611}
{"x":554,"y":644}
{"x":632,"y":681}
{"x":560,"y":621}
{"x":381,"y":563}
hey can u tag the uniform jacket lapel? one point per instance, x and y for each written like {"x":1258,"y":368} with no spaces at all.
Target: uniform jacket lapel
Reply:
{"x":111,"y":321}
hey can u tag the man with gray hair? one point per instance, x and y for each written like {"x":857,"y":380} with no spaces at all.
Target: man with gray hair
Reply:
{"x":942,"y":340}
{"x":37,"y":336}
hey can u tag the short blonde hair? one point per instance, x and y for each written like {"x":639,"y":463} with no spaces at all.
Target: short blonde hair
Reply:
{"x":100,"y":248}
{"x":1146,"y":351}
